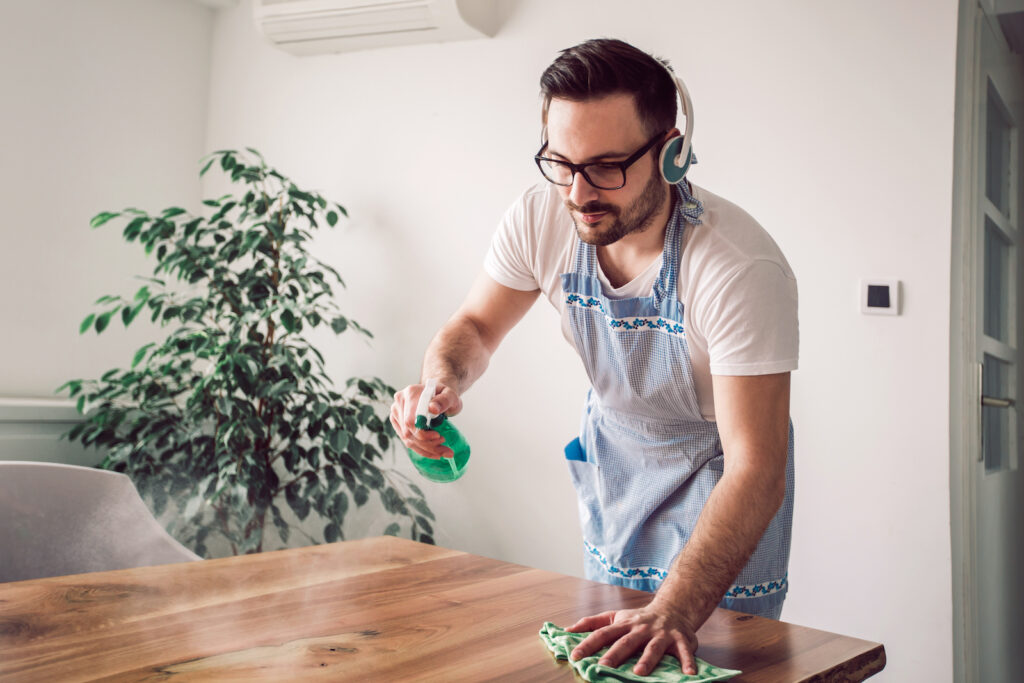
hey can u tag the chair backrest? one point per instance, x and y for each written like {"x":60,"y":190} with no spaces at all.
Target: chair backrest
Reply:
{"x":64,"y":519}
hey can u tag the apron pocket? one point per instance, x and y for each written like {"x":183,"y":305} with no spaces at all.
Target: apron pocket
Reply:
{"x":574,"y":451}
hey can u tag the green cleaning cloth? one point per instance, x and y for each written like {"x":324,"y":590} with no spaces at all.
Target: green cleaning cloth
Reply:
{"x":561,"y":643}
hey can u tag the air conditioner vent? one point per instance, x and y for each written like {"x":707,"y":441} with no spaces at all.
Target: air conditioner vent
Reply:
{"x":306,"y":27}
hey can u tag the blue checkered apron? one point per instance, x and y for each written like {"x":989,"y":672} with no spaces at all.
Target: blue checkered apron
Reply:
{"x":646,"y":460}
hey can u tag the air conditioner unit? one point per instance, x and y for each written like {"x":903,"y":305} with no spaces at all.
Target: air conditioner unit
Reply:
{"x":311,"y":27}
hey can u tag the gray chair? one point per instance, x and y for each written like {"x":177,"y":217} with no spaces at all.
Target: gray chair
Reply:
{"x":64,"y":519}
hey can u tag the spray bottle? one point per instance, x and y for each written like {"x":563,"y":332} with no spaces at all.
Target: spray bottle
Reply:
{"x":443,"y":469}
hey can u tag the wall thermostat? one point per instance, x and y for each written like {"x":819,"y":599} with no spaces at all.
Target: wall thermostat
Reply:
{"x":880,"y":297}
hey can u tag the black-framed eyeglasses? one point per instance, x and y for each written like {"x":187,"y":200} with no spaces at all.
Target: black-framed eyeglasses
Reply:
{"x":604,"y":175}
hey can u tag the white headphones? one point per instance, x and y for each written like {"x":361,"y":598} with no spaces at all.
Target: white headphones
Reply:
{"x":677,"y":153}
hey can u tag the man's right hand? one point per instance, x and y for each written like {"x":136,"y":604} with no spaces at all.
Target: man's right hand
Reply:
{"x":460,"y":349}
{"x":426,"y":442}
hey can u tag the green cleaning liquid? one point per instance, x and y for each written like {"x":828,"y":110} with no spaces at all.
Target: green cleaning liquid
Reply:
{"x":443,"y":469}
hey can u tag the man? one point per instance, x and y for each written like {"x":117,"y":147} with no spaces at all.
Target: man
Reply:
{"x":683,"y":310}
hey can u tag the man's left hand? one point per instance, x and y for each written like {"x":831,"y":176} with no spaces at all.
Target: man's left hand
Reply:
{"x":654,"y":630}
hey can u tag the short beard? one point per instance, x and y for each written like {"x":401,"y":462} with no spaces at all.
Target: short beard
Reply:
{"x":636,"y":217}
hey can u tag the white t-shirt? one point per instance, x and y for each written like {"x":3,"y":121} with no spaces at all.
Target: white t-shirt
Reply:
{"x":738,"y":292}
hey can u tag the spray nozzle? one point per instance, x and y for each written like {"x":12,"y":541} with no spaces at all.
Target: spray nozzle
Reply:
{"x":425,"y":419}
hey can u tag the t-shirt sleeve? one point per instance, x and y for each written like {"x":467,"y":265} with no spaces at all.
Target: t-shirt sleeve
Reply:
{"x":751,"y":324}
{"x":508,"y":260}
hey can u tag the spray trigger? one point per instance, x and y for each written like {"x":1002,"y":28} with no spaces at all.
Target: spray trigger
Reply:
{"x":425,"y":419}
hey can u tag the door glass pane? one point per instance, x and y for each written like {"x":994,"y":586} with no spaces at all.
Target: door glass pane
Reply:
{"x":995,"y":422}
{"x":997,"y":151}
{"x":997,"y":283}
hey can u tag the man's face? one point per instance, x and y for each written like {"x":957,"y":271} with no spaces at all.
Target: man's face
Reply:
{"x":605,"y":129}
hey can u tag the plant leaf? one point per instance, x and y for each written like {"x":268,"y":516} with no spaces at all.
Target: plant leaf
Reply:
{"x":140,"y":354}
{"x":288,"y":320}
{"x":421,"y":505}
{"x":101,"y":218}
{"x":134,"y":227}
{"x":103,"y":320}
{"x":339,"y":440}
{"x":361,"y":494}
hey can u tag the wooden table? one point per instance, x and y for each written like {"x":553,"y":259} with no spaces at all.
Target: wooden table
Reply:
{"x":379,"y":609}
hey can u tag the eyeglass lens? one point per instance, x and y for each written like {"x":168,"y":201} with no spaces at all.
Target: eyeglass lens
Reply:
{"x":602,"y":176}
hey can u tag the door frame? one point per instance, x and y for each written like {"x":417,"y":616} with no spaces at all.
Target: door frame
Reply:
{"x":965,"y":427}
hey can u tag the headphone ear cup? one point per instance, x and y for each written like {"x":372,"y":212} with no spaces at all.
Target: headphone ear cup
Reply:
{"x":670,"y":171}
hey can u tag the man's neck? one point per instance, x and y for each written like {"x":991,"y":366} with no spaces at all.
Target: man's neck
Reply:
{"x":625,"y":259}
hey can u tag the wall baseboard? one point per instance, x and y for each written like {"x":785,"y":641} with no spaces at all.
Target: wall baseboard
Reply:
{"x":30,"y":429}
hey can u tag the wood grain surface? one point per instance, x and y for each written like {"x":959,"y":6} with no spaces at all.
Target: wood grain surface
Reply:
{"x":378,"y":609}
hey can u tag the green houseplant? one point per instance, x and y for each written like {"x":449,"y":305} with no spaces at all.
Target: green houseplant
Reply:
{"x":232,"y":419}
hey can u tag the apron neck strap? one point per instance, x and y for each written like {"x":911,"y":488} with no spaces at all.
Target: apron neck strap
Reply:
{"x":685,"y":209}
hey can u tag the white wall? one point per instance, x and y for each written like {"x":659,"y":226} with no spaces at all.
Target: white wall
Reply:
{"x":830,"y":122}
{"x":104,"y":106}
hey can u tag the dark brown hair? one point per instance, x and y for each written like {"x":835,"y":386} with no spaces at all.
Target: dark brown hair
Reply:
{"x":605,"y":66}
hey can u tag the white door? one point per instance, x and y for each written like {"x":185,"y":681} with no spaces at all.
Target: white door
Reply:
{"x":989,"y":453}
{"x":998,"y":480}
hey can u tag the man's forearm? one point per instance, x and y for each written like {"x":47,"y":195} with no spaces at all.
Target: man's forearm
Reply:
{"x":457,"y":355}
{"x":735,"y":516}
